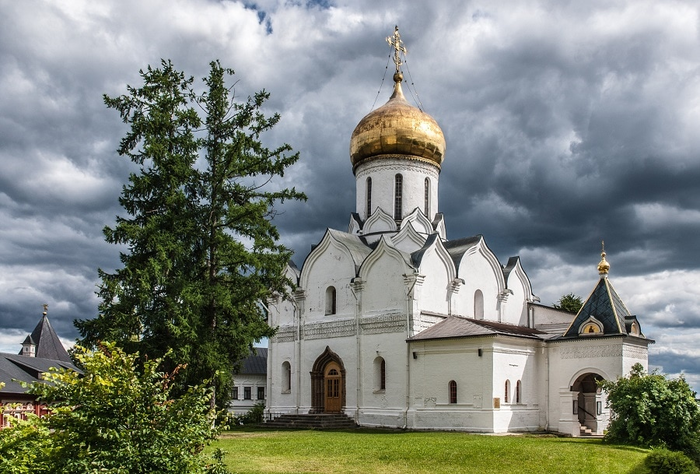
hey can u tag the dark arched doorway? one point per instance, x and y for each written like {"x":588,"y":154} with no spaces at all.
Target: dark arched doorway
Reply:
{"x":588,"y":401}
{"x":328,"y":383}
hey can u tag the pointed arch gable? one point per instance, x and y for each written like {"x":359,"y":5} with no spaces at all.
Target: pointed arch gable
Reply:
{"x":350,"y":245}
{"x":480,"y":249}
{"x":408,"y":239}
{"x":439,"y":225}
{"x":382,"y":276}
{"x":518,"y":293}
{"x":384,"y":249}
{"x":481,"y":271}
{"x":292,"y":272}
{"x":379,"y":221}
{"x":421,"y":223}
{"x":355,"y":225}
{"x":434,"y":247}
{"x":514,"y":274}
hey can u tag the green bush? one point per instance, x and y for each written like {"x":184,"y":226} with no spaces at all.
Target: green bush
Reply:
{"x":663,"y":461}
{"x":117,"y":417}
{"x":652,"y":410}
{"x":254,"y":415}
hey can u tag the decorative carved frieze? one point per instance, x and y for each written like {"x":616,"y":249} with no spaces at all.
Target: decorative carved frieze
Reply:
{"x":395,"y":322}
{"x":589,"y":352}
{"x":399,"y":163}
{"x":284,"y":334}
{"x":342,"y":328}
{"x":634,"y":352}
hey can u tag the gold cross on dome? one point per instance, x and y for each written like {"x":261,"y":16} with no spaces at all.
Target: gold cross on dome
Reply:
{"x":396,"y":43}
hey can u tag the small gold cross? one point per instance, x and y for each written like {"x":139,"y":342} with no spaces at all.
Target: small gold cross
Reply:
{"x":395,"y":42}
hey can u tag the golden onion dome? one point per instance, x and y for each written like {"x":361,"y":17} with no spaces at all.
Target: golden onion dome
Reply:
{"x":397,"y":128}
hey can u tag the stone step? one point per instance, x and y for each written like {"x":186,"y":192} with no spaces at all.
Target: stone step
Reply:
{"x":325,"y":421}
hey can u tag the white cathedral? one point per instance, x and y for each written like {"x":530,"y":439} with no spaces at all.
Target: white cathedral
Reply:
{"x":396,"y":326}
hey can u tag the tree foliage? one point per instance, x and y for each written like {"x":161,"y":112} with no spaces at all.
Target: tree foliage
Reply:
{"x":118,"y":416}
{"x":569,"y":302}
{"x":202,"y":250}
{"x":652,"y":410}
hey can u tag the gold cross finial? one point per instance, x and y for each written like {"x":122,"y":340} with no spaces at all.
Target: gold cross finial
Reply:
{"x":396,"y":43}
{"x":603,"y":265}
{"x":46,"y":309}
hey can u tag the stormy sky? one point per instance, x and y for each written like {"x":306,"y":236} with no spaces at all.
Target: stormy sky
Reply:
{"x":566,"y":123}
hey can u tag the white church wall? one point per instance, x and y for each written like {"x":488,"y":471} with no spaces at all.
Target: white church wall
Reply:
{"x":346,"y":349}
{"x":546,"y":318}
{"x":281,"y":399}
{"x":514,"y":308}
{"x":570,"y":360}
{"x":440,"y":362}
{"x":383,"y":407}
{"x":333,"y":267}
{"x":280,"y":312}
{"x":384,"y":290}
{"x":478,"y":274}
{"x":383,"y":174}
{"x":432,"y":294}
{"x":516,"y":385}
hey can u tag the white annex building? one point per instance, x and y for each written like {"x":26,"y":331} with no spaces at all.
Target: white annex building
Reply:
{"x":396,"y":326}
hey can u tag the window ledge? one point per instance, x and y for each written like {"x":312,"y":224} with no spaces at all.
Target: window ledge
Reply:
{"x":379,"y":391}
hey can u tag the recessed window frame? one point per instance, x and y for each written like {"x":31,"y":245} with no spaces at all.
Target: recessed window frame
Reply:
{"x":398,"y":197}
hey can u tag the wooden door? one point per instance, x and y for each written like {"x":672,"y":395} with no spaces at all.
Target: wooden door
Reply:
{"x":332,"y":383}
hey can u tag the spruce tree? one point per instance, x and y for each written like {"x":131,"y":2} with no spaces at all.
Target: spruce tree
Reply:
{"x":201,"y":251}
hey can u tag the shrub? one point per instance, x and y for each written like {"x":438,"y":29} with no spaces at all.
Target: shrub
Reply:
{"x":663,"y":461}
{"x":652,"y":410}
{"x":118,"y":416}
{"x":254,"y":415}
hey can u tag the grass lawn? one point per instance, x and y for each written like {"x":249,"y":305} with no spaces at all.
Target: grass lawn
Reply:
{"x":385,"y":452}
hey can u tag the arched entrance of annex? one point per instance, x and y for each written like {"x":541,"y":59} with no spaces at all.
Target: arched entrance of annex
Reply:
{"x":328,"y":383}
{"x":588,"y":402}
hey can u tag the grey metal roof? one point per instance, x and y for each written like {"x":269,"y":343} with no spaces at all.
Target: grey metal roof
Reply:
{"x":458,"y":327}
{"x":19,"y":368}
{"x":458,"y":247}
{"x":255,"y":363}
{"x":606,"y":306}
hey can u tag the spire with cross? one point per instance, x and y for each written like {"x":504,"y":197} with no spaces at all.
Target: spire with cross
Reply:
{"x":396,"y":43}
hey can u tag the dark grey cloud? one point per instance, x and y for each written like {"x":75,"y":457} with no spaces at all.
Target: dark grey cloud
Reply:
{"x":566,"y":124}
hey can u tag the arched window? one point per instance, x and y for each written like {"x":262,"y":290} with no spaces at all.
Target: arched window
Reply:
{"x":518,"y":387}
{"x":379,"y":373}
{"x":426,"y":198}
{"x":286,"y":377}
{"x":478,"y":305}
{"x":506,"y":395}
{"x":452,"y":386}
{"x":330,"y":300}
{"x":369,"y":197}
{"x":398,"y":196}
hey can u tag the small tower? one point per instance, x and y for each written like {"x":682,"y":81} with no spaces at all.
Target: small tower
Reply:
{"x":44,"y":342}
{"x":29,"y":347}
{"x":604,"y":313}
